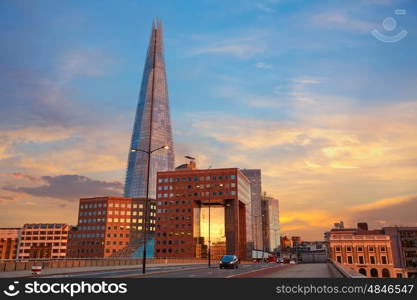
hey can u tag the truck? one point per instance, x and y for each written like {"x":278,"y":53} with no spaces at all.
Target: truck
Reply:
{"x":259,"y":255}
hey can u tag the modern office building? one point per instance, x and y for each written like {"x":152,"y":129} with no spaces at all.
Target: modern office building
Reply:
{"x":254,"y":176}
{"x":266,"y":241}
{"x":111,"y":226}
{"x":9,"y":243}
{"x":191,"y":203}
{"x":270,"y":223}
{"x":404,"y":248}
{"x":44,"y":240}
{"x":152,"y":123}
{"x":274,"y":232}
{"x":368,"y":252}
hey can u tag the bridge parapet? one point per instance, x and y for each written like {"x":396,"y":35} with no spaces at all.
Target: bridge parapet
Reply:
{"x":345,"y":272}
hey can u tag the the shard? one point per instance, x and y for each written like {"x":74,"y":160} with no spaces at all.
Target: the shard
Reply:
{"x":152,"y":123}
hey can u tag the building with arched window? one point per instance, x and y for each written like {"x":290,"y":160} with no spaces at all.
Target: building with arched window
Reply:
{"x":368,"y":252}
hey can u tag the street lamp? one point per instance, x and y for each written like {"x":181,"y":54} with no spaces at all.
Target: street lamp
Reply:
{"x":209,"y":222}
{"x":145,"y":227}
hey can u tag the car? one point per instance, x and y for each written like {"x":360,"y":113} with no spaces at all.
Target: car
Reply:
{"x":229,"y":261}
{"x":292,"y":262}
{"x":280,"y":260}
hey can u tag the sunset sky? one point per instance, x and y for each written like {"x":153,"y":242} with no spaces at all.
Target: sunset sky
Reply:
{"x":299,"y":89}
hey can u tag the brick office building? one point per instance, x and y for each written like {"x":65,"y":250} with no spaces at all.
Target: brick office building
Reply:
{"x":9,"y":243}
{"x":111,"y":226}
{"x":183,"y":199}
{"x":404,"y":248}
{"x":44,"y":240}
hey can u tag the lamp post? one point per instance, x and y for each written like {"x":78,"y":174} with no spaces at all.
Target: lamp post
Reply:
{"x":145,"y":227}
{"x":209,"y":222}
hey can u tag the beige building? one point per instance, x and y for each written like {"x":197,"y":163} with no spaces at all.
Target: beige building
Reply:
{"x":9,"y":243}
{"x":368,"y":252}
{"x":45,"y":240}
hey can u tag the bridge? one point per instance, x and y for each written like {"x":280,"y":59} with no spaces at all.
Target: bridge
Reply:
{"x":185,"y":269}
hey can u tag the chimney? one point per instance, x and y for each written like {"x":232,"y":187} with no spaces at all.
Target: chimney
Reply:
{"x":363,"y":226}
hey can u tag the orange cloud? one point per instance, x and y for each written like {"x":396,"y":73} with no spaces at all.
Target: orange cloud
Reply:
{"x":384,"y":203}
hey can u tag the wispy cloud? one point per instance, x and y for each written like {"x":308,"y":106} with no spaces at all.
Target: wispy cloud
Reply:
{"x":262,"y":65}
{"x":242,"y":47}
{"x":264,"y":8}
{"x":339,"y":20}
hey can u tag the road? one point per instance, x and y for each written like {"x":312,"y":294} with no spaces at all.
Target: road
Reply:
{"x":202,"y":271}
{"x":124,"y":273}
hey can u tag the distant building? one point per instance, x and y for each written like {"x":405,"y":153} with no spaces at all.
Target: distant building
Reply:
{"x":44,"y":240}
{"x":286,"y":243}
{"x":254,"y":176}
{"x":296,"y":241}
{"x":368,"y":252}
{"x":111,"y":226}
{"x":273,"y":214}
{"x":404,"y":248}
{"x":182,"y":223}
{"x":9,"y":243}
{"x":265,"y":223}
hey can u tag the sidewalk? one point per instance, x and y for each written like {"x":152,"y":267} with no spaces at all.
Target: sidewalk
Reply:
{"x":28,"y":273}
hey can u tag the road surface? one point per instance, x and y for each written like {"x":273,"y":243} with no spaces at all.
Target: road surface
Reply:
{"x":271,"y":270}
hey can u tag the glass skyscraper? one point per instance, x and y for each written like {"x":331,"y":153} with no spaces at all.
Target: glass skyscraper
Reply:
{"x":152,"y":123}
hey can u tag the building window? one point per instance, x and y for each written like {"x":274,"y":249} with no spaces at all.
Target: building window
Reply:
{"x":350,"y":260}
{"x":349,"y":249}
{"x":372,"y":260}
{"x":383,"y":249}
{"x":361,"y":261}
{"x":339,"y":259}
{"x":360,"y":249}
{"x":337,"y":249}
{"x":371,"y":249}
{"x":384,"y":260}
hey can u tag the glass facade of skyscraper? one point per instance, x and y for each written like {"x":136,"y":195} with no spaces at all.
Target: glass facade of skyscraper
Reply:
{"x":152,"y":123}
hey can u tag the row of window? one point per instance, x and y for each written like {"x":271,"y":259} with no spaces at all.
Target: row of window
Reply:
{"x":178,"y":242}
{"x":43,"y":226}
{"x":173,"y":218}
{"x":170,"y":250}
{"x":63,"y":244}
{"x":121,"y":235}
{"x":175,"y":226}
{"x":198,"y":194}
{"x":361,"y":260}
{"x":92,"y":227}
{"x":53,"y":250}
{"x":196,"y":178}
{"x":177,"y":202}
{"x":360,"y":248}
{"x":172,"y":233}
{"x":113,"y":220}
{"x":198,"y":186}
{"x":116,"y":205}
{"x":27,"y":232}
{"x":165,"y":210}
{"x":42,"y":238}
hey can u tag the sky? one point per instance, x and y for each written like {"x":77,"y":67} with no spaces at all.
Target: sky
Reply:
{"x":300,"y":89}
